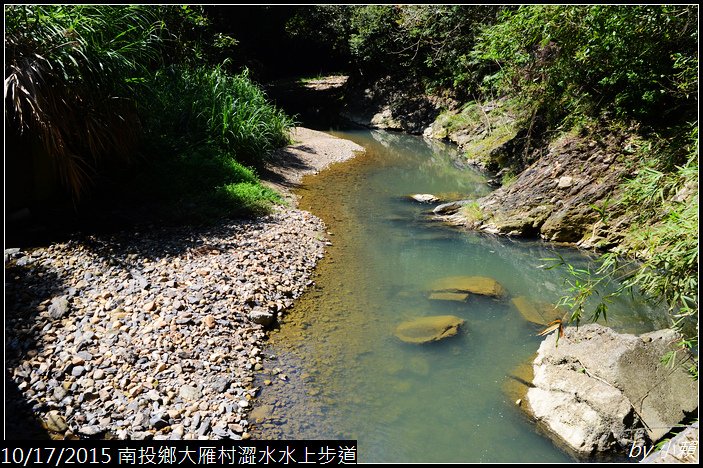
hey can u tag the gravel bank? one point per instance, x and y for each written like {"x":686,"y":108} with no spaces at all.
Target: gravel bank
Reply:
{"x":156,"y":334}
{"x":311,"y":152}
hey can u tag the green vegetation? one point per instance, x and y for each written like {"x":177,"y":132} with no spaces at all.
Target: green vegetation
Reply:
{"x":430,"y":43}
{"x":507,"y":179}
{"x":664,"y":237}
{"x":107,"y":92}
{"x":70,"y":78}
{"x":630,"y":65}
{"x":624,"y":66}
{"x":472,"y":212}
{"x":222,"y":186}
{"x":211,"y":106}
{"x":630,"y":61}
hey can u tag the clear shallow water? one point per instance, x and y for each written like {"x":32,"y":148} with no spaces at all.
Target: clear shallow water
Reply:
{"x":348,"y":376}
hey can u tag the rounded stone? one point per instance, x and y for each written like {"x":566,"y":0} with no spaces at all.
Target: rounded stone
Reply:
{"x":428,"y":329}
{"x":55,"y":422}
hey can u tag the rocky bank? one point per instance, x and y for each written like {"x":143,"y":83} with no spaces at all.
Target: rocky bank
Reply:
{"x":155,"y":333}
{"x":597,"y":391}
{"x":558,"y":187}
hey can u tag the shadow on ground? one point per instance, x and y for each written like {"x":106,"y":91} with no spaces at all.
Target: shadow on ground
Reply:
{"x":26,"y":288}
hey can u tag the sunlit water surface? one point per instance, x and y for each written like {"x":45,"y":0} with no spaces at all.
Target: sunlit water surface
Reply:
{"x":349,"y":377}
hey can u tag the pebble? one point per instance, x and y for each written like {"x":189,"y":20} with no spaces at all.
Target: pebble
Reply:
{"x":189,"y":393}
{"x":55,"y":422}
{"x":261,"y":316}
{"x":158,"y":422}
{"x":58,"y":307}
{"x":209,"y":321}
{"x":128,"y":347}
{"x":204,"y":427}
{"x":59,"y":393}
{"x":177,"y":432}
{"x":90,"y":430}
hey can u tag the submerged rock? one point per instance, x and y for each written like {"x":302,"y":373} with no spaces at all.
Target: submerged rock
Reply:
{"x":539,"y":313}
{"x":517,"y":383}
{"x":261,"y":413}
{"x":480,"y":285}
{"x":449,"y":296}
{"x":428,"y":329}
{"x":600,"y":391}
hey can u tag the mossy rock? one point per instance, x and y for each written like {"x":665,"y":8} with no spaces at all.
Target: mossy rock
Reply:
{"x":480,"y":285}
{"x":540,"y":313}
{"x":428,"y":329}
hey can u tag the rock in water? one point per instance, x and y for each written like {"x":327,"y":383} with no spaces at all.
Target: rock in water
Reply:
{"x":469,"y":284}
{"x":448,"y":296}
{"x":428,"y":329}
{"x":537,"y":313}
{"x":597,"y":390}
{"x":449,"y":208}
{"x":424,"y":198}
{"x":261,"y":413}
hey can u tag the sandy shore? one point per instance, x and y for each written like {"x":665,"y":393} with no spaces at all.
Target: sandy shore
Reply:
{"x":310,"y":152}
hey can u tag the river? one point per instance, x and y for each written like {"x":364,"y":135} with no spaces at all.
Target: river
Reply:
{"x":338,"y":372}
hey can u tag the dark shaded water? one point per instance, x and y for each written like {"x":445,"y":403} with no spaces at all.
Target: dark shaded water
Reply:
{"x":348,"y":376}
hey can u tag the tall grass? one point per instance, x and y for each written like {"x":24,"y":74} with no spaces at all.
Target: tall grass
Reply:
{"x":69,"y":76}
{"x":93,"y":85}
{"x":203,"y":126}
{"x":208,"y":105}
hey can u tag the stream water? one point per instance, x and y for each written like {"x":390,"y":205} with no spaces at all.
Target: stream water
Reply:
{"x":338,"y":371}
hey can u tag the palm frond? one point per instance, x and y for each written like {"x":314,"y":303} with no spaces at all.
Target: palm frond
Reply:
{"x":63,"y":65}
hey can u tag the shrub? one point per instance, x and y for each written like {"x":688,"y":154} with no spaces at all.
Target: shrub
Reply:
{"x":70,"y":76}
{"x":637,"y":61}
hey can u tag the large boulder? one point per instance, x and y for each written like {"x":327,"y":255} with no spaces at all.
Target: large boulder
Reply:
{"x":600,"y":391}
{"x":480,"y":285}
{"x":428,"y":329}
